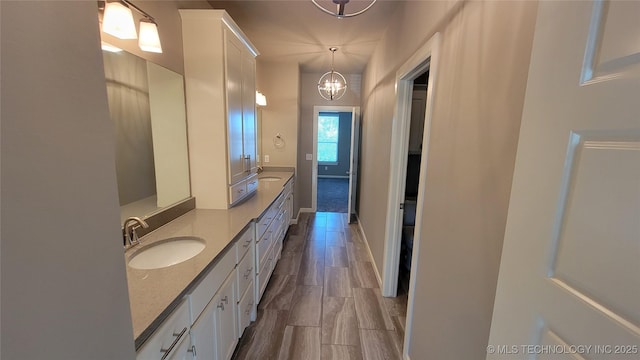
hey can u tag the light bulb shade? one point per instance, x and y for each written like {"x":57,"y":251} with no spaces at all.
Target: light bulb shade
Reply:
{"x":149,"y":39}
{"x":261,"y":100}
{"x":332,"y":85}
{"x":118,"y":21}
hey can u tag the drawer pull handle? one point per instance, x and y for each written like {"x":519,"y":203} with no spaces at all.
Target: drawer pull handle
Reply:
{"x":226,"y":300}
{"x":193,"y":350}
{"x":247,"y":243}
{"x":221,"y":306}
{"x":247,"y":273}
{"x":177,"y":336}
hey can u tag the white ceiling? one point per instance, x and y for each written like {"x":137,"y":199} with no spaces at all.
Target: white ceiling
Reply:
{"x":297,"y":31}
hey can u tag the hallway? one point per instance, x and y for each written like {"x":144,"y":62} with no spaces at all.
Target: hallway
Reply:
{"x":323,"y":300}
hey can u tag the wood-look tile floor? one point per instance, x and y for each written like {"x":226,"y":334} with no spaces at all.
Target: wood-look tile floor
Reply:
{"x":323,"y":301}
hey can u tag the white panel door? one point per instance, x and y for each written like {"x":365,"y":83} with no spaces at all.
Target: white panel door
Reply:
{"x":233,"y":65}
{"x":569,"y":284}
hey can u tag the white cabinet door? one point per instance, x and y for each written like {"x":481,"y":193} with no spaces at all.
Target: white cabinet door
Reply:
{"x":233,"y":67}
{"x":226,"y":306}
{"x":249,"y":110}
{"x":203,"y":335}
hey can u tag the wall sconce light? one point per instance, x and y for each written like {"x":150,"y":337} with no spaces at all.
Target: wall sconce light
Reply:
{"x":149,"y":39}
{"x":118,"y":21}
{"x":261,"y":100}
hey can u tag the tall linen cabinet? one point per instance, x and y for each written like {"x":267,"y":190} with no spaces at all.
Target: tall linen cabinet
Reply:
{"x":220,"y":72}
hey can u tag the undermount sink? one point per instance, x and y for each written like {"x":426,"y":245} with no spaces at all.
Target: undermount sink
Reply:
{"x":270,"y":178}
{"x":167,"y":252}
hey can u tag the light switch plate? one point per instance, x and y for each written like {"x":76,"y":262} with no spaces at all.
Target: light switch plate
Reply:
{"x":266,"y":158}
{"x":309,"y":156}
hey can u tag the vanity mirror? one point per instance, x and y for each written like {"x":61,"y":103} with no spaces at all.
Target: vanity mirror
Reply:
{"x":147,"y":106}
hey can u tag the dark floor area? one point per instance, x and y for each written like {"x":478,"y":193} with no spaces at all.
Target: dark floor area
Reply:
{"x":333,"y":195}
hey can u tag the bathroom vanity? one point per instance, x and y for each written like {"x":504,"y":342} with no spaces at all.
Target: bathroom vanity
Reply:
{"x":203,"y":304}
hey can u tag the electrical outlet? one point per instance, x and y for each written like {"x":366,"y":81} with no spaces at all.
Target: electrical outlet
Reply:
{"x":309,"y":157}
{"x":266,"y":158}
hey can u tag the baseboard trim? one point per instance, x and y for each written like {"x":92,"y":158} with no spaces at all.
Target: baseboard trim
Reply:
{"x":366,"y":242}
{"x":305,"y":210}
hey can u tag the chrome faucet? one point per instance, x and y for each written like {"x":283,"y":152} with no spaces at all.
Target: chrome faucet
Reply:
{"x":129,"y":229}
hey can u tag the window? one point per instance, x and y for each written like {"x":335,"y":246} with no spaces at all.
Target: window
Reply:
{"x":328,"y":126}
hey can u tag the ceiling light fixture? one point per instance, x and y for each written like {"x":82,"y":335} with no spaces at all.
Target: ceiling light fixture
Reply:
{"x":118,"y":21}
{"x":332,"y":85}
{"x":340,"y":8}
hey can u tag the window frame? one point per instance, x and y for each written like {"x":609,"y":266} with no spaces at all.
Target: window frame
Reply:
{"x":337,"y":142}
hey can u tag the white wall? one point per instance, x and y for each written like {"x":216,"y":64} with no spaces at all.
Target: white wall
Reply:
{"x":478,"y":104}
{"x":64,"y":289}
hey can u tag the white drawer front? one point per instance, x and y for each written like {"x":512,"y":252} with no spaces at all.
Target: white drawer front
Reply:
{"x":246,"y":273}
{"x":173,"y":331}
{"x":237,"y":192}
{"x":263,"y":223}
{"x":244,"y":244}
{"x":252,"y":184}
{"x":262,"y":247}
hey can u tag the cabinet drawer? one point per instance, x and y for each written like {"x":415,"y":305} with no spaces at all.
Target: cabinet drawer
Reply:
{"x":170,"y":335}
{"x":237,"y":192}
{"x":243,"y":244}
{"x":262,"y":248}
{"x":245,"y":309}
{"x":204,"y":291}
{"x":245,"y":273}
{"x":252,"y":184}
{"x":265,"y":220}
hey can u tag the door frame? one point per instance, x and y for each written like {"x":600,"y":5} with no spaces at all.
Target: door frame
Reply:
{"x":355,"y":114}
{"x":426,"y":57}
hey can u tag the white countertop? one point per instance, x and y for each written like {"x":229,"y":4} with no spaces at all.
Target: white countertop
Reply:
{"x":153,"y":294}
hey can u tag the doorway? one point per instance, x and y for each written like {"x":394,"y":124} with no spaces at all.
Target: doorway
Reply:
{"x":335,"y":160}
{"x":425,"y":59}
{"x":412,"y":180}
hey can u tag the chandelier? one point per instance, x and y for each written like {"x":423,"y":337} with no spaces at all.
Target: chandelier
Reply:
{"x":332,"y":85}
{"x":340,"y":8}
